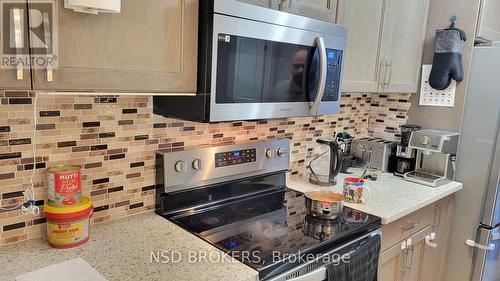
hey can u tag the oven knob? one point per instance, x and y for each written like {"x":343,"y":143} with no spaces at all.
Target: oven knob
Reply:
{"x":269,"y":153}
{"x":197,"y":164}
{"x":425,"y":140}
{"x":180,"y":167}
{"x":281,"y":152}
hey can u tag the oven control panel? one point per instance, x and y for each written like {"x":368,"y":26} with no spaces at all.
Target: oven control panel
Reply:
{"x":236,"y":157}
{"x":201,"y":166}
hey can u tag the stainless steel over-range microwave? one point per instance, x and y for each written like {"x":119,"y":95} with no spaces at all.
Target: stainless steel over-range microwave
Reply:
{"x":258,"y":63}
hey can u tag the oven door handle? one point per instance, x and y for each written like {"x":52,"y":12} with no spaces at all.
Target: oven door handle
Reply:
{"x":317,"y":275}
{"x":320,"y":43}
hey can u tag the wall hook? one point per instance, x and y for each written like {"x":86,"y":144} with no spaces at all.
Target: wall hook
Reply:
{"x":453,"y":19}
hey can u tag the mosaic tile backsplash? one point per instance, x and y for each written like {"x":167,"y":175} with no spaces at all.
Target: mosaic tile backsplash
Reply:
{"x":114,"y":139}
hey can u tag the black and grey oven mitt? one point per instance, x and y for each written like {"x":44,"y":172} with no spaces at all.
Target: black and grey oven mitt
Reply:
{"x":447,"y":62}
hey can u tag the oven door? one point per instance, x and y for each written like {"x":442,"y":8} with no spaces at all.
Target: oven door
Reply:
{"x":262,"y":70}
{"x":315,"y":270}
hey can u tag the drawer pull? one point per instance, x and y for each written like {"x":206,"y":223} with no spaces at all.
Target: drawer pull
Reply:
{"x":411,"y":225}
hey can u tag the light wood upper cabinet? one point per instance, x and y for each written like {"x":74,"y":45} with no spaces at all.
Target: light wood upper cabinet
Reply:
{"x":14,"y":76}
{"x":385,"y":44}
{"x":151,"y":46}
{"x":364,"y":20}
{"x":402,"y":44}
{"x":14,"y":79}
{"x":488,"y":25}
{"x":317,"y":9}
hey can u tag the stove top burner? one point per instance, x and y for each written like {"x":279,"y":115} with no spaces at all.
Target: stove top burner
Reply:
{"x":251,"y":208}
{"x":210,"y":220}
{"x":275,"y":231}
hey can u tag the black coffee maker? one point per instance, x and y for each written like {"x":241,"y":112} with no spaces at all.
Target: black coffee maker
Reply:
{"x":405,"y":156}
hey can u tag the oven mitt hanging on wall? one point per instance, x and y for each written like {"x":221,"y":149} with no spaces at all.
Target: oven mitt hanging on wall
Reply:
{"x":447,"y":62}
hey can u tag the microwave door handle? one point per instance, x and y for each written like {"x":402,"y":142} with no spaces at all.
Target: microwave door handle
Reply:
{"x":320,"y":43}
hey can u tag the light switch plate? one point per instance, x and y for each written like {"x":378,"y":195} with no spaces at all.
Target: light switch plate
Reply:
{"x":433,"y":97}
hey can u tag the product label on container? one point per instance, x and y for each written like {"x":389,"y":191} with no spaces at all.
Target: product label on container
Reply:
{"x":67,"y":183}
{"x":61,"y":234}
{"x":64,"y":188}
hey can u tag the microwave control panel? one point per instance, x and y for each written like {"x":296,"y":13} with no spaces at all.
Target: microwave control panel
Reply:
{"x":229,"y":158}
{"x":333,"y":73}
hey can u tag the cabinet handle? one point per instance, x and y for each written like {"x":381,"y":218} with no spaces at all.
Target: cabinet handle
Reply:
{"x":403,"y":261}
{"x":48,"y":42}
{"x":18,"y":39}
{"x":380,"y":79}
{"x":410,"y":263}
{"x":409,"y":226}
{"x":388,"y":66}
{"x":437,"y":218}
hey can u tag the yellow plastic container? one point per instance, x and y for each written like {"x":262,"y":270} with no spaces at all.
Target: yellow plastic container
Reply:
{"x":68,"y":227}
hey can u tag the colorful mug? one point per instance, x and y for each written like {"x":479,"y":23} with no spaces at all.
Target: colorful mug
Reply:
{"x":355,"y":190}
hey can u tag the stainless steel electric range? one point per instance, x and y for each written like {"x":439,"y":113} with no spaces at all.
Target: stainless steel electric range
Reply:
{"x":235,"y":197}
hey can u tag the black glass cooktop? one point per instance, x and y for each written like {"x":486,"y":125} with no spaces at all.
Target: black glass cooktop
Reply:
{"x":265,"y":229}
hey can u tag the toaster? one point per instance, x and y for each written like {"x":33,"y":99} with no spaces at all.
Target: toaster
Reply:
{"x":374,"y":153}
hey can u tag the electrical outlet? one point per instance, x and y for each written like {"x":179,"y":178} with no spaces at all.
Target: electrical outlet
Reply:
{"x":433,"y":97}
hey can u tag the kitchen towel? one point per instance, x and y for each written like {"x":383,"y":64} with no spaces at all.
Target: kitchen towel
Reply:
{"x":362,"y":265}
{"x":74,"y":270}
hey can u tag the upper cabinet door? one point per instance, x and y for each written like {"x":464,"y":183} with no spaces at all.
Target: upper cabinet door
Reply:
{"x":14,"y":44}
{"x":402,"y":44}
{"x":488,"y":26}
{"x":363,"y":19}
{"x":317,"y":9}
{"x":151,"y":46}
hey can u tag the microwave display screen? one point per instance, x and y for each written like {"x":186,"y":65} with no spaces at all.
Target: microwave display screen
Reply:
{"x":253,"y":70}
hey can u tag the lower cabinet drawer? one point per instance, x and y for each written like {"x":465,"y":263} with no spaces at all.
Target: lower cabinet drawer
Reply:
{"x":406,"y":226}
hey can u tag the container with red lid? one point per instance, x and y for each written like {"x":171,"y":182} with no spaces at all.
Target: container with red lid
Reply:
{"x":68,"y":226}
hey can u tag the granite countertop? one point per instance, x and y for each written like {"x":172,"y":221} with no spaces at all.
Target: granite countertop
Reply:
{"x":121,"y":250}
{"x":391,"y":197}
